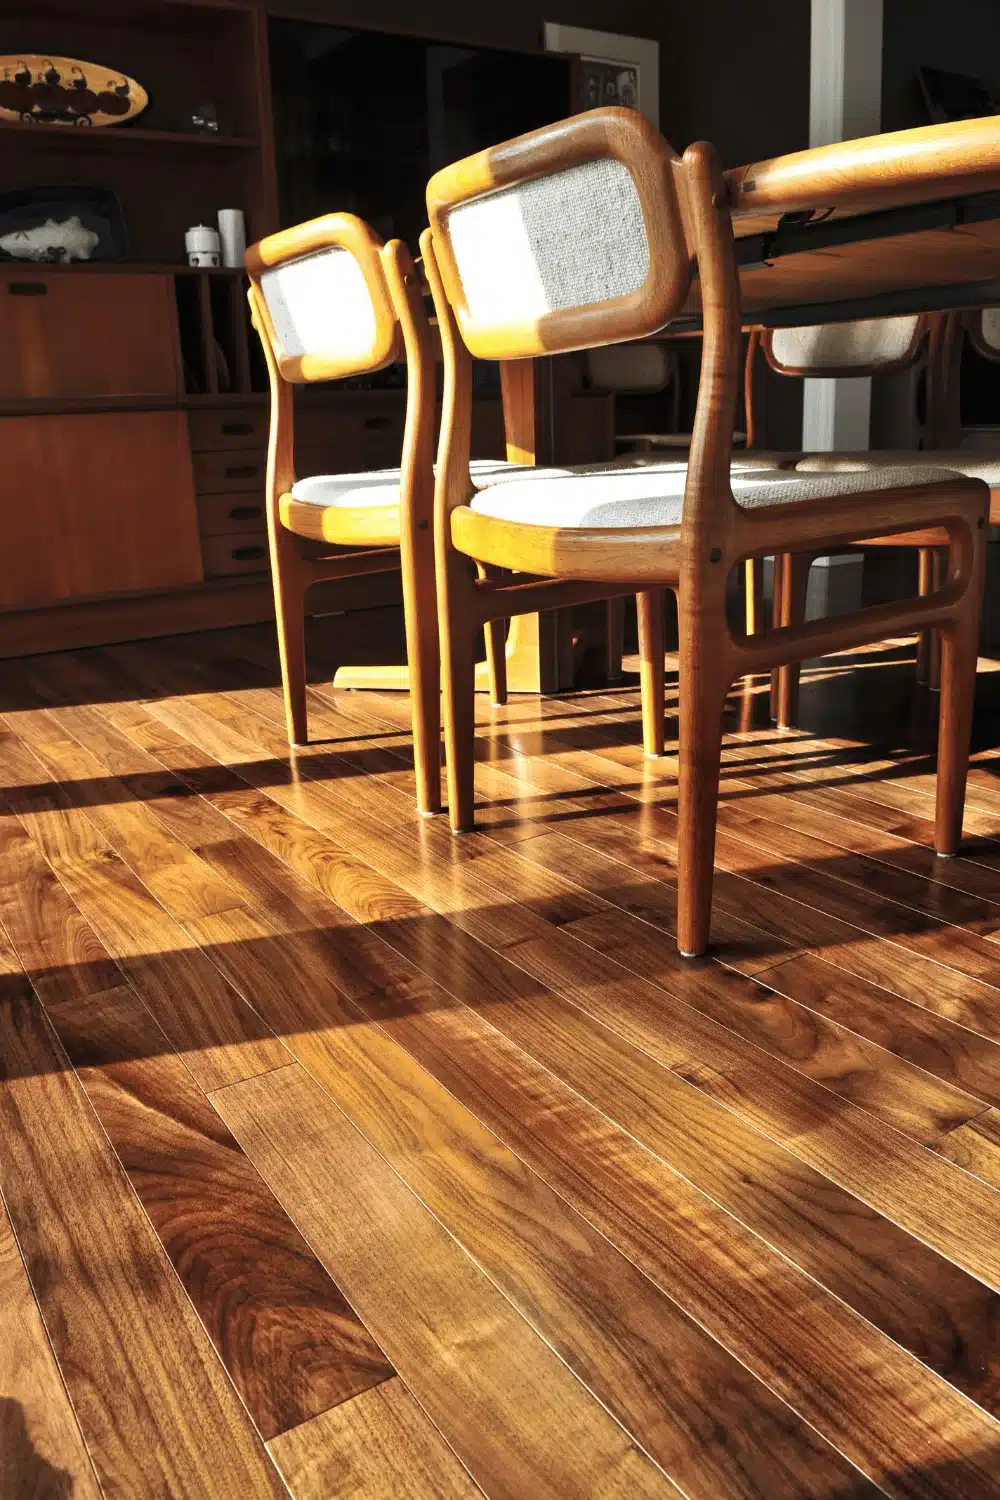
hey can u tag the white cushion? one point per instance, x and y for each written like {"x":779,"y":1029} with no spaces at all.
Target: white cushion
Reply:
{"x":843,"y":346}
{"x":570,"y":239}
{"x":320,"y":304}
{"x":652,"y":494}
{"x":990,"y":327}
{"x":379,"y":486}
{"x":968,"y":462}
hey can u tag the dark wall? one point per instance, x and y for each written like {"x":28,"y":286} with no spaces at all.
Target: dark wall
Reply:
{"x":960,"y":36}
{"x":724,"y":75}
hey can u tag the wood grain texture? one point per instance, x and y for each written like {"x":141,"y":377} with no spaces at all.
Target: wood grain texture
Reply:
{"x":289,"y":1342}
{"x":976,"y":1147}
{"x":42,"y":1453}
{"x":516,"y":1417}
{"x":377,"y":1447}
{"x":153,"y":1403}
{"x":221,"y":1035}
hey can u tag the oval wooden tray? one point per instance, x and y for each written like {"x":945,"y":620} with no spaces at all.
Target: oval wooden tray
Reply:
{"x":66,"y":91}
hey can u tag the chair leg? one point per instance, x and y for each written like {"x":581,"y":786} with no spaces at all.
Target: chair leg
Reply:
{"x":754,"y":573}
{"x":289,"y":611}
{"x":777,"y":588}
{"x":924,"y":585}
{"x":793,"y":612}
{"x":702,"y":694}
{"x":614,"y":624}
{"x":934,"y":663}
{"x":456,"y":608}
{"x":649,"y":605}
{"x":496,"y":647}
{"x":420,"y":621}
{"x":959,"y":652}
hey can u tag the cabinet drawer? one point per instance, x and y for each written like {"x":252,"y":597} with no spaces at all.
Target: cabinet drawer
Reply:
{"x":216,"y":473}
{"x":243,"y":552}
{"x":95,"y":504}
{"x":354,"y":421}
{"x":228,"y":427}
{"x":66,"y":335}
{"x":219,"y":515}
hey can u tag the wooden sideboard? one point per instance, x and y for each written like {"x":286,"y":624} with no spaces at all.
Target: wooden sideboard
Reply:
{"x":133,"y":408}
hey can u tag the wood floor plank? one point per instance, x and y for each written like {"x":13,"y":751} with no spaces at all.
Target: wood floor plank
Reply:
{"x":152,"y":1401}
{"x":60,"y":951}
{"x":678,"y":1237}
{"x":927,"y":1040}
{"x":606,"y":1320}
{"x":521,"y":1423}
{"x":222,"y":1037}
{"x":976,"y":1147}
{"x":380,"y":1446}
{"x":289,"y":1341}
{"x":42,"y":1452}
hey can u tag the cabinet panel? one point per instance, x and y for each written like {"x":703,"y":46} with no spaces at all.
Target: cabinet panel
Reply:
{"x":95,"y":505}
{"x":71,"y":334}
{"x":219,"y":515}
{"x":245,"y":552}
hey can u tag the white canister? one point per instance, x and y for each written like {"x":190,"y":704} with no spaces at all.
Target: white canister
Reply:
{"x":202,"y":245}
{"x":233,"y":233}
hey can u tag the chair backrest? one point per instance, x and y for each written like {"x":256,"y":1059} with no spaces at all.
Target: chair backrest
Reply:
{"x":567,"y":238}
{"x":321,"y":299}
{"x":632,"y":368}
{"x":866,"y":346}
{"x":983,"y":328}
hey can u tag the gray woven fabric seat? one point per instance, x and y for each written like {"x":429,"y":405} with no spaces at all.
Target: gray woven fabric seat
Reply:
{"x":652,"y":494}
{"x":379,"y":487}
{"x":959,"y":460}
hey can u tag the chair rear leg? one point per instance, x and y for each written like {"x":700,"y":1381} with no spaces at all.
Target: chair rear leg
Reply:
{"x":289,"y":612}
{"x":649,"y":606}
{"x":422,"y":647}
{"x":703,"y":684}
{"x":793,"y":612}
{"x":925,"y":556}
{"x":959,"y":652}
{"x":938,"y":561}
{"x":754,"y":574}
{"x":777,"y":591}
{"x":614,"y":622}
{"x":456,"y":611}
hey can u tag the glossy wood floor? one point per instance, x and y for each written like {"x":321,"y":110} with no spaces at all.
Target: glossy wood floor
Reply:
{"x":342,"y":1157}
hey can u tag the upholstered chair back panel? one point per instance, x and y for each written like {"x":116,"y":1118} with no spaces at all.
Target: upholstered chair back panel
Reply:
{"x":990,"y":330}
{"x":861,"y":347}
{"x":321,"y":305}
{"x":631,"y":367}
{"x":567,"y":238}
{"x":558,"y":242}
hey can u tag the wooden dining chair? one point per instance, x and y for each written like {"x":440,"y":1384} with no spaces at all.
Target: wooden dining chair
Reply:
{"x":976,"y":458}
{"x":329,"y":300}
{"x":585,"y":233}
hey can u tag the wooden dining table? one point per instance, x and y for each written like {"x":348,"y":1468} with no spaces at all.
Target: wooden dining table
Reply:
{"x":889,"y":224}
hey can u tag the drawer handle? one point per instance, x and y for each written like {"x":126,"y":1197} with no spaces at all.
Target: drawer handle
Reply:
{"x":247,"y":554}
{"x":27,"y":288}
{"x":240,"y":471}
{"x":245,"y":512}
{"x":377,"y":423}
{"x":237,"y":429}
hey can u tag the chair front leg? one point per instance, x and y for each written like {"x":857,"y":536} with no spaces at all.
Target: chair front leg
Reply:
{"x":704,"y":679}
{"x":649,"y":606}
{"x":290,"y":585}
{"x":457,"y":616}
{"x":421,"y":624}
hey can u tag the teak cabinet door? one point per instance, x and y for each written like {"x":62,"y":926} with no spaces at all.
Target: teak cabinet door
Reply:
{"x":68,"y":334}
{"x":95,"y":505}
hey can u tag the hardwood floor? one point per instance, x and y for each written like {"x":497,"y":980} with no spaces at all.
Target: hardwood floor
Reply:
{"x":345,"y":1158}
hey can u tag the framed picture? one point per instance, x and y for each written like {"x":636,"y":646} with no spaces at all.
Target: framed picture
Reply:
{"x":622,"y":70}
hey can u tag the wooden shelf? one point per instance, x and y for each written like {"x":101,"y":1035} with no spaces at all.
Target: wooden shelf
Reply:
{"x":124,"y":138}
{"x":118,"y":267}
